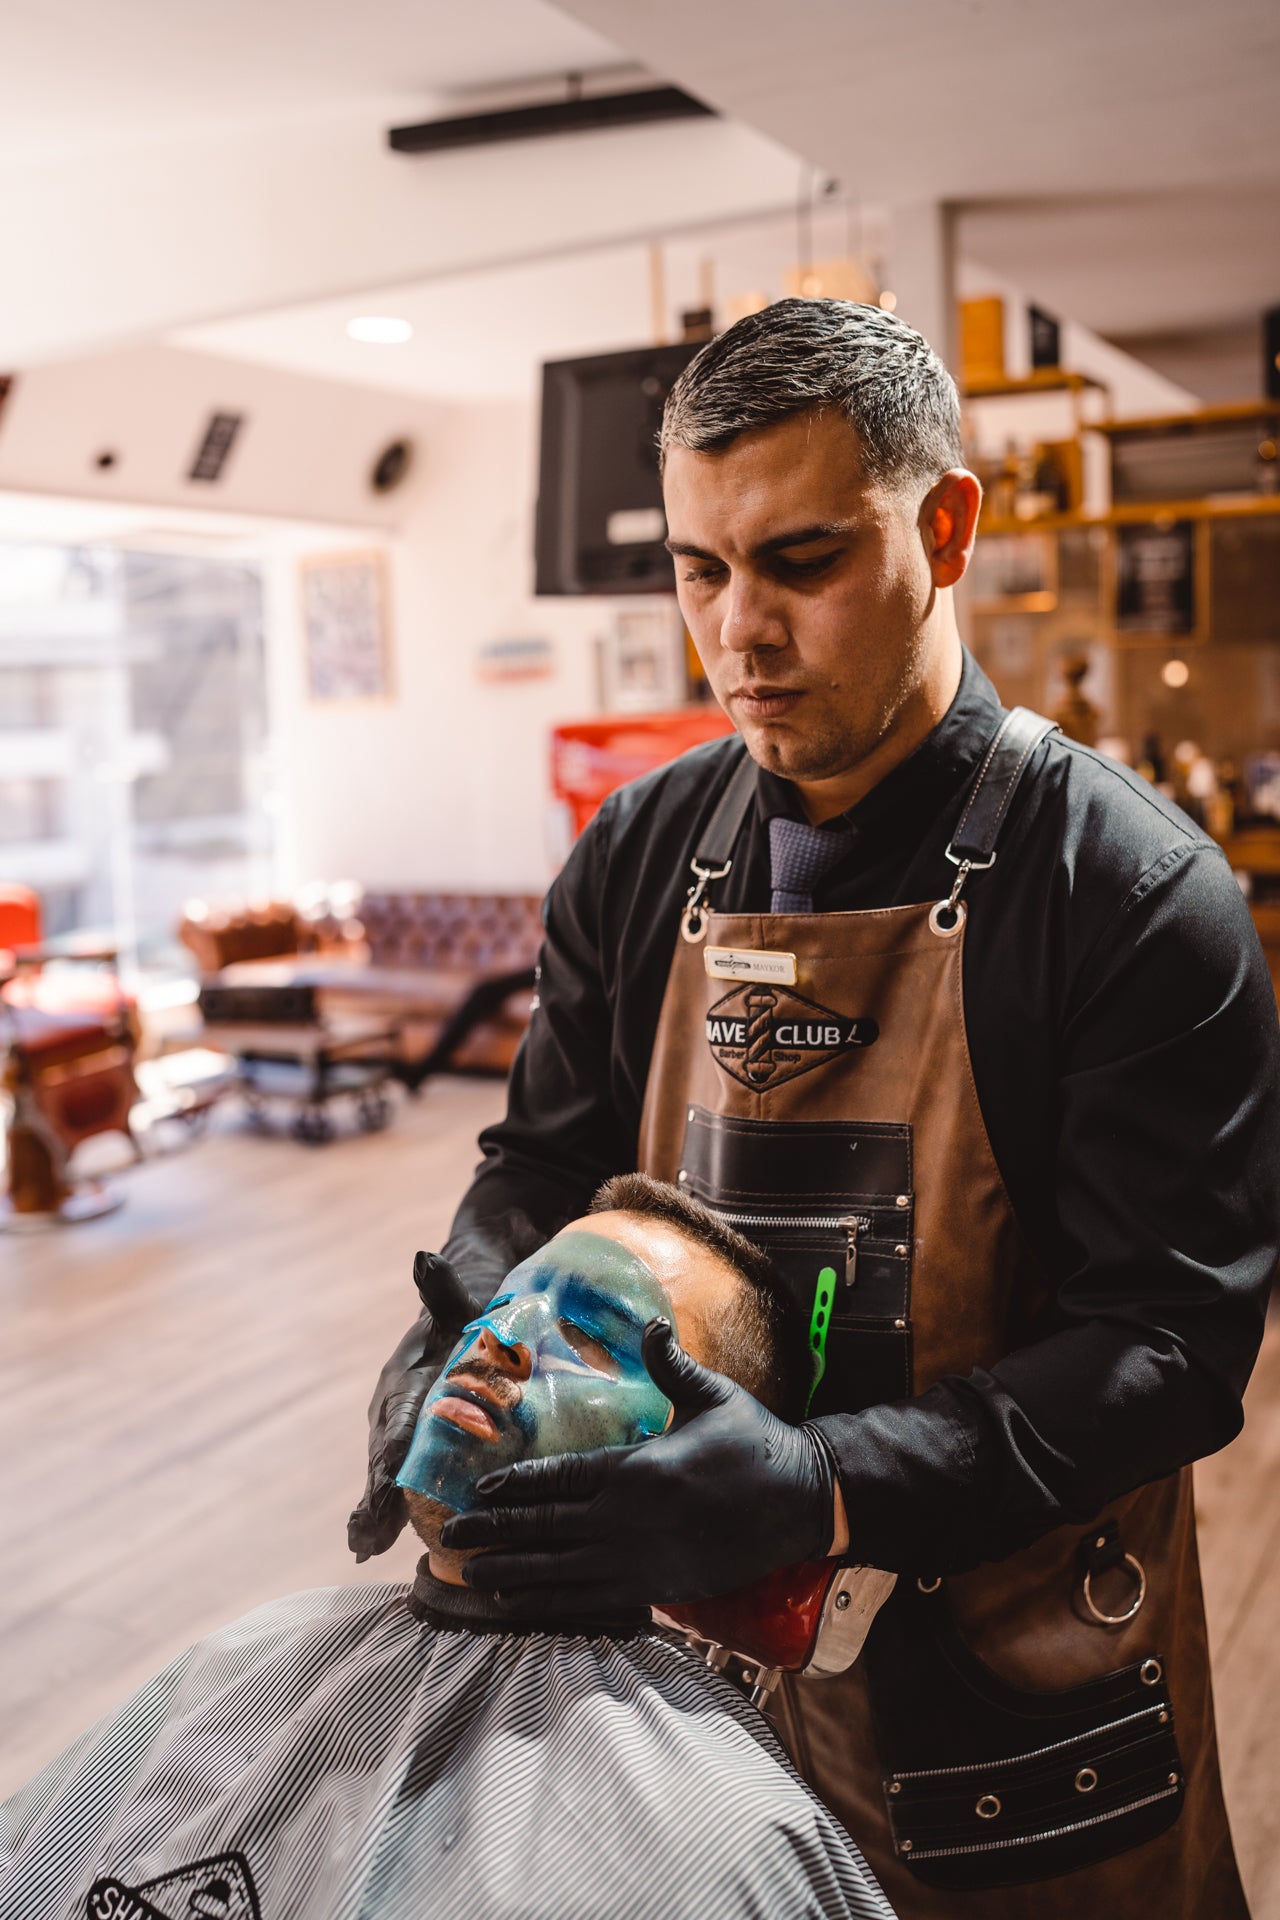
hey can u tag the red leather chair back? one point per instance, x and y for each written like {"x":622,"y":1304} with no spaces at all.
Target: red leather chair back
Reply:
{"x":19,"y":917}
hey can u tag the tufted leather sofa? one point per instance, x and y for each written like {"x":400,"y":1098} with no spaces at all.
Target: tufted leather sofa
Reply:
{"x":453,"y":972}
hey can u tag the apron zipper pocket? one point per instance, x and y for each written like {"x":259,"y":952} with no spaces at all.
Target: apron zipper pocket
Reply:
{"x":849,"y":1224}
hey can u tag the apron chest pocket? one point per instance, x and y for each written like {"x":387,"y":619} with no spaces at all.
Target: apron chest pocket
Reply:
{"x":832,"y":1204}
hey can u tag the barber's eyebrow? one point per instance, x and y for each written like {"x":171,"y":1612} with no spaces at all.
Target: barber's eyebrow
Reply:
{"x":780,"y":543}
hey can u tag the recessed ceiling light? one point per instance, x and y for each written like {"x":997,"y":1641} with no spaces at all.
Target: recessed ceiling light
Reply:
{"x":380,"y":330}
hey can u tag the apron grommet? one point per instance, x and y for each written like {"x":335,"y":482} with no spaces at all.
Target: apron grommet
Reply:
{"x":1086,"y":1780}
{"x":1150,"y":1672}
{"x":987,"y":1807}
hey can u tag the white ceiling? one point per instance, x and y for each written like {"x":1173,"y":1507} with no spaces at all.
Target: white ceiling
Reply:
{"x":1166,"y":108}
{"x":483,"y":335}
{"x":85,"y":75}
{"x":216,"y":170}
{"x":960,"y":99}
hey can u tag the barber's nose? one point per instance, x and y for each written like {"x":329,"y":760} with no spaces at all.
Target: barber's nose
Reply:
{"x":514,"y":1359}
{"x":749,"y":620}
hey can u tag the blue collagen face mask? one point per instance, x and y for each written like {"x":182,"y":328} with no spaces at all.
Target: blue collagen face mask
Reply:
{"x":570,"y":1319}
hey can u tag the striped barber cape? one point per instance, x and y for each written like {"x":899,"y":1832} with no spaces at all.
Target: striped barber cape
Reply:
{"x":335,"y":1756}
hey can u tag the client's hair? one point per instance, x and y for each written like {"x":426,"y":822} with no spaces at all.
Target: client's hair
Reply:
{"x":763,"y":1341}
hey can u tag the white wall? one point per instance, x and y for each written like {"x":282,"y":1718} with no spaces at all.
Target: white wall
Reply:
{"x":447,"y":783}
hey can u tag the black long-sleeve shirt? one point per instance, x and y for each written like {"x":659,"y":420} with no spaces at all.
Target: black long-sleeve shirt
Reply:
{"x":1124,"y":1040}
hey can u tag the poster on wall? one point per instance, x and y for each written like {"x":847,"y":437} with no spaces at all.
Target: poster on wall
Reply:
{"x":344,"y":624}
{"x":1156,"y":578}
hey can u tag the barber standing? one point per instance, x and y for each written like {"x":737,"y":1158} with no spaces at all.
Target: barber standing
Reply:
{"x":970,"y":1028}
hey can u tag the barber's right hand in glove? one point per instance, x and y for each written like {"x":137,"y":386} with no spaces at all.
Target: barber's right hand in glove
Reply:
{"x":725,"y":1495}
{"x":402,"y":1387}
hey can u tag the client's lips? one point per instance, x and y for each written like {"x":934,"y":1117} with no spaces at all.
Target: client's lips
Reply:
{"x":468,"y":1405}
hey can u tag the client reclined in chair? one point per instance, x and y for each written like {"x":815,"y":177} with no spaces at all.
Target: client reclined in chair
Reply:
{"x":391,"y":1751}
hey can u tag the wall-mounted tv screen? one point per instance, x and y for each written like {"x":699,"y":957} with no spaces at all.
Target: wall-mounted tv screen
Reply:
{"x":600,"y":523}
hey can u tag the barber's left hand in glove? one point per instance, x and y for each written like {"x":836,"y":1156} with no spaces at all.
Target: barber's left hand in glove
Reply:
{"x":725,"y":1495}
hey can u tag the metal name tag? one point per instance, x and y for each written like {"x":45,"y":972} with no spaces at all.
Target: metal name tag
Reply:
{"x":744,"y":963}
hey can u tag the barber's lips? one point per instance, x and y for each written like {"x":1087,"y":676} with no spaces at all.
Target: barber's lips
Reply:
{"x":766,"y":703}
{"x":471,"y":1406}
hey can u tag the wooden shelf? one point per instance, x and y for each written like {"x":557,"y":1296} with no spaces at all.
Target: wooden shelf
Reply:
{"x":1200,"y":417}
{"x":1247,"y":507}
{"x":1045,"y":380}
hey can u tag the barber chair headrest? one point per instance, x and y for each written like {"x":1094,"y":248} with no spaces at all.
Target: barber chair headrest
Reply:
{"x":811,"y":1619}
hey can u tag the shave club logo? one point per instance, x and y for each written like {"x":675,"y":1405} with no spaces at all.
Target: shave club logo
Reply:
{"x":220,"y":1888}
{"x":764,"y":1035}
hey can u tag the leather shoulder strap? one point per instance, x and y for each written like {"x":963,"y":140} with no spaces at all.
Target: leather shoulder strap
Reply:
{"x":720,"y":835}
{"x":987,"y":808}
{"x":715,"y":847}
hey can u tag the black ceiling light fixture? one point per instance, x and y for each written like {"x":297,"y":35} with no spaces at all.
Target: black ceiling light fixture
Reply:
{"x":578,"y":113}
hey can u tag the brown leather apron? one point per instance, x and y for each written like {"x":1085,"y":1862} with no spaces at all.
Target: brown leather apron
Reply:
{"x":1008,"y":1745}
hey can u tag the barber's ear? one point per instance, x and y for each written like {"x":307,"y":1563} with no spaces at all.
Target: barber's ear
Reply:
{"x":949,"y":524}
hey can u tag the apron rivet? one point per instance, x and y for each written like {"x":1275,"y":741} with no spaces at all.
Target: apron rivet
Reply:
{"x":903,"y":1200}
{"x":1173,"y":1779}
{"x":895,"y":1786}
{"x":842,"y":1603}
{"x":900,"y":1325}
{"x":901,"y":1252}
{"x":906,"y":1846}
{"x":689,"y":1115}
{"x":1163,"y":1717}
{"x":682,"y":1176}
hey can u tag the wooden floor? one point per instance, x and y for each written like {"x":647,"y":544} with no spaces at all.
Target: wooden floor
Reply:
{"x":182,"y":1398}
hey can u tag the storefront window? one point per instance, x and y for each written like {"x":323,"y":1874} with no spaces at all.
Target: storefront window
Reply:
{"x":133,"y":738}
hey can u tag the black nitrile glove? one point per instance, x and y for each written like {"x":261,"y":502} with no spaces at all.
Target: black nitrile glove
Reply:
{"x":726,"y":1494}
{"x":397,"y":1400}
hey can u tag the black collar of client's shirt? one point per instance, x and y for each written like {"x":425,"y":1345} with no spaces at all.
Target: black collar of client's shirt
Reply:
{"x":462,"y":1610}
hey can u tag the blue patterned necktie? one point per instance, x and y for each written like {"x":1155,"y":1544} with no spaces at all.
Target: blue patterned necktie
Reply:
{"x":800,"y":857}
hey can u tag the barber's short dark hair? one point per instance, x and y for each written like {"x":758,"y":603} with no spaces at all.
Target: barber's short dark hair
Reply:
{"x":814,"y":356}
{"x":763,"y":1342}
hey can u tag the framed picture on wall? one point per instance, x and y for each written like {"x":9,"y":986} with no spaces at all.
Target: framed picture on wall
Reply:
{"x":345,"y":626}
{"x":642,"y":664}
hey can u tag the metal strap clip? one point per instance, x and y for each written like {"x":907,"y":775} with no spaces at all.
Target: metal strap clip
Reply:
{"x":693,"y":921}
{"x":947,"y":916}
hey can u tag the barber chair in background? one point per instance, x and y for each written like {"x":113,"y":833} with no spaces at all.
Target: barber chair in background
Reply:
{"x":69,"y":1037}
{"x":810,"y":1619}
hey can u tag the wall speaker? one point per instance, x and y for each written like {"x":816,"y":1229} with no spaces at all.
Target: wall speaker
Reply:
{"x":391,"y":466}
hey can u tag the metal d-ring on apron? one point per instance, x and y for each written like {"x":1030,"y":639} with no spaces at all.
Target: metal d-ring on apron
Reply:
{"x":811,"y":1080}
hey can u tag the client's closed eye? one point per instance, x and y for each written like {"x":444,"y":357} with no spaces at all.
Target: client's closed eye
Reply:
{"x":593,"y":1353}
